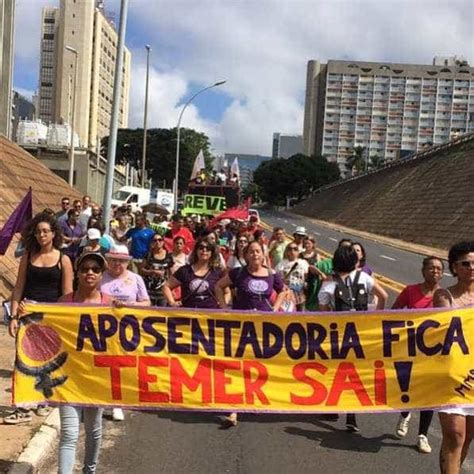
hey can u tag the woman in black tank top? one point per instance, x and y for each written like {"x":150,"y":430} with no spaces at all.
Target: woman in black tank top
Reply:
{"x":44,"y":273}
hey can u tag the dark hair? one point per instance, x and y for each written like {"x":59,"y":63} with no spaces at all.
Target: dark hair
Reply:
{"x":71,"y":212}
{"x":277,"y":229}
{"x":344,"y":259}
{"x":76,"y":201}
{"x":345,"y":241}
{"x":254,"y":242}
{"x":214,"y":261}
{"x":94,"y":223}
{"x":29,"y":238}
{"x":429,"y":259}
{"x":179,"y":237}
{"x":48,"y":210}
{"x":457,"y":251}
{"x":64,"y":198}
{"x":364,"y":255}
{"x":258,"y":233}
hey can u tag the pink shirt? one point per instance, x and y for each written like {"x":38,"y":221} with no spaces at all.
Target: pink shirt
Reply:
{"x":129,"y":289}
{"x":412,"y":297}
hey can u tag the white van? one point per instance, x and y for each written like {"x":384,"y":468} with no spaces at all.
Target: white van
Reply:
{"x":138,"y":197}
{"x":131,"y":195}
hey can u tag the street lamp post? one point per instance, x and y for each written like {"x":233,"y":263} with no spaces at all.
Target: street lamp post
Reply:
{"x":145,"y":115}
{"x":73,"y":117}
{"x":178,"y":127}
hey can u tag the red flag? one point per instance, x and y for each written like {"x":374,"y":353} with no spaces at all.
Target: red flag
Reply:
{"x":15,"y":223}
{"x":239,"y":212}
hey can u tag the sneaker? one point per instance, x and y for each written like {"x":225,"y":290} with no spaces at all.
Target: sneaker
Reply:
{"x":43,"y":410}
{"x":423,"y":445}
{"x":351,"y":424}
{"x":117,"y":414}
{"x":18,"y":417}
{"x":402,"y":426}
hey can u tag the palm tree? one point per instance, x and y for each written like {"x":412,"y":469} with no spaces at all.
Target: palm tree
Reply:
{"x":376,"y":162}
{"x":356,"y":163}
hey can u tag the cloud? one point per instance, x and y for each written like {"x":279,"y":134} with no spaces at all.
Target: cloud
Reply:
{"x":262,"y":47}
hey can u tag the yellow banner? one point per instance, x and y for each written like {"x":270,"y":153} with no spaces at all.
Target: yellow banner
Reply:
{"x":245,"y":361}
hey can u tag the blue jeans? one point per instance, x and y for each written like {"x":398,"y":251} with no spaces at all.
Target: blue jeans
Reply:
{"x":70,"y":421}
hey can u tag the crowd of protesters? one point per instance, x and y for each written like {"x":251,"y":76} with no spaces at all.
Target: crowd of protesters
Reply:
{"x":183,"y":261}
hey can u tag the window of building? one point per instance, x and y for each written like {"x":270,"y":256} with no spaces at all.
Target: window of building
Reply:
{"x":49,"y":20}
{"x":48,"y":36}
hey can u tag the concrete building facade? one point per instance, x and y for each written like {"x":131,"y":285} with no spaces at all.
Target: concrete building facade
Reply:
{"x":391,"y":110}
{"x":7,"y":15}
{"x":83,"y":26}
{"x":285,"y":146}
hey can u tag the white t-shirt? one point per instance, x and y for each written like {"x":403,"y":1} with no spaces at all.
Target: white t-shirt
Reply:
{"x":234,"y":262}
{"x":326,"y":293}
{"x":296,"y":279}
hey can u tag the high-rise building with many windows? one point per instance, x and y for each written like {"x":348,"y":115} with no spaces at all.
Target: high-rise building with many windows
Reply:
{"x":83,"y":26}
{"x":7,"y":10}
{"x":390,"y":110}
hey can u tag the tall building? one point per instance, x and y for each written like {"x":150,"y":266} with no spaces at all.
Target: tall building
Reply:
{"x":83,"y":26}
{"x":390,"y":110}
{"x":285,"y":146}
{"x":23,"y":109}
{"x":7,"y":13}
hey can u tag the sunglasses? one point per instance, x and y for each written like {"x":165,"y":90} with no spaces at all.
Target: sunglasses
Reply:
{"x":204,"y":248}
{"x":157,"y":240}
{"x":96,"y":269}
{"x":466,"y":263}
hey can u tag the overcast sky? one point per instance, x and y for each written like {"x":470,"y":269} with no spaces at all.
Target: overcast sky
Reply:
{"x":261,"y":47}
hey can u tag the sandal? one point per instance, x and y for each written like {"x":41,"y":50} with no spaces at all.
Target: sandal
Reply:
{"x":18,"y":417}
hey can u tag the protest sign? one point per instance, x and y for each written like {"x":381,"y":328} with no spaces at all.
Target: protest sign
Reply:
{"x":202,"y":204}
{"x":168,"y":358}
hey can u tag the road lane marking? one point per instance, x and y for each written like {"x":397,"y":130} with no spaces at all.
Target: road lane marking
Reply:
{"x":285,"y":221}
{"x":333,"y":239}
{"x":294,"y":225}
{"x":388,"y":258}
{"x":316,"y":233}
{"x":447,"y":274}
{"x":384,"y":280}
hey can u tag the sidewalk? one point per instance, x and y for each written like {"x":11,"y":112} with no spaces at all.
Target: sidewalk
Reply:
{"x":14,"y":437}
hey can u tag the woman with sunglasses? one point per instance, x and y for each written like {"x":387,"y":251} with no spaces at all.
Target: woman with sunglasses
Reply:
{"x":237,"y":259}
{"x":457,"y":424}
{"x":44,"y":275}
{"x":254,"y":285}
{"x":197,"y":279}
{"x":155,"y":270}
{"x":90,"y":269}
{"x":294,"y":271}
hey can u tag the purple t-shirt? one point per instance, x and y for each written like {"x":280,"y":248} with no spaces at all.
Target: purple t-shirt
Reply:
{"x":197,"y":292}
{"x":129,"y":289}
{"x":254,"y":292}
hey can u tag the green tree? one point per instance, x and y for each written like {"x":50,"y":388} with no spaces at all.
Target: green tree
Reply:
{"x":161,"y":152}
{"x":298,"y":177}
{"x":355,"y":163}
{"x":376,"y":162}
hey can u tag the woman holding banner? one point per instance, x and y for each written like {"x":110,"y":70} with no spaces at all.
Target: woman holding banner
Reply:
{"x":43,"y":276}
{"x":457,"y":424}
{"x":415,"y":297}
{"x":254,"y":285}
{"x":90,"y":269}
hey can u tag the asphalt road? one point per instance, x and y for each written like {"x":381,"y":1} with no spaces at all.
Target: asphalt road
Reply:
{"x":399,"y":265}
{"x":193,"y":443}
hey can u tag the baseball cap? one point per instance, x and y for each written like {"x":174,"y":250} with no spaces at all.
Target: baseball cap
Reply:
{"x":93,"y":234}
{"x":300,"y":230}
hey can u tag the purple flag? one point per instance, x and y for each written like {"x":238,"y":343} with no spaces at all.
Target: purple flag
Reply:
{"x":20,"y":216}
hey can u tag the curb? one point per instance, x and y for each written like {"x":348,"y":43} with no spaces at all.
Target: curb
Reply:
{"x":39,"y":447}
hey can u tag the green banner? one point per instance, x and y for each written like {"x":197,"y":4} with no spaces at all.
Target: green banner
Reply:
{"x":200,"y":204}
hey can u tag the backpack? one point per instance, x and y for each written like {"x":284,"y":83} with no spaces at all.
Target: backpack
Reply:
{"x":350,"y":296}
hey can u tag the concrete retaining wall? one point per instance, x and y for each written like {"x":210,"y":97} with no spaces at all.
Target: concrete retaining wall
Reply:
{"x":428,"y":200}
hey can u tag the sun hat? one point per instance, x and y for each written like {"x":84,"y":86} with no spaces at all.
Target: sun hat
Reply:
{"x":119,"y":252}
{"x":300,"y":230}
{"x":93,"y":234}
{"x":93,"y":256}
